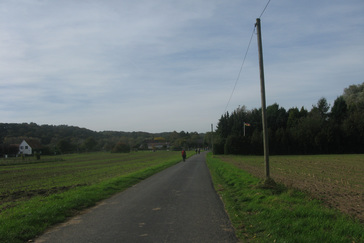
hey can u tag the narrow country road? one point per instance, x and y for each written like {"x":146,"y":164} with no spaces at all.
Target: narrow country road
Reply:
{"x":178,"y":204}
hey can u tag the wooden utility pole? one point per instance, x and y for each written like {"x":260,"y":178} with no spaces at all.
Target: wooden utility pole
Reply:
{"x":262,"y":91}
{"x":212,"y":138}
{"x":244,"y":128}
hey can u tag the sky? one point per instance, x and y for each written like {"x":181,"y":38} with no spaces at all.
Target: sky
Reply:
{"x":161,"y":65}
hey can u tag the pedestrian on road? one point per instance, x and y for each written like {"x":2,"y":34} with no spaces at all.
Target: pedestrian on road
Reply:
{"x":184,"y":155}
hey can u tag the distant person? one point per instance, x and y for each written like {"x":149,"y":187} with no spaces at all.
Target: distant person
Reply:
{"x":199,"y":150}
{"x":184,"y":155}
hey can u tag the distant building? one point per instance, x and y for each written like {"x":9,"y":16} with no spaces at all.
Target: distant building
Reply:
{"x":158,"y":145}
{"x":155,"y":144}
{"x":24,"y":148}
{"x":27,"y":148}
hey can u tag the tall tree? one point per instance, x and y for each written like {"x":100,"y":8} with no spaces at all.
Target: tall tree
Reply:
{"x":339,"y":110}
{"x":354,"y":96}
{"x":323,"y":108}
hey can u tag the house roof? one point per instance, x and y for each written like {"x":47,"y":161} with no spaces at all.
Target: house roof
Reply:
{"x":34,"y":143}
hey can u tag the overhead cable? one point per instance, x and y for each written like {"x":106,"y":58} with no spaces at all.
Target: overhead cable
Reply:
{"x":246,"y":53}
{"x":241,"y":68}
{"x":264,"y":9}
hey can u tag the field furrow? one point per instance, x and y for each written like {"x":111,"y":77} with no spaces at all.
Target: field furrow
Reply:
{"x":335,"y":179}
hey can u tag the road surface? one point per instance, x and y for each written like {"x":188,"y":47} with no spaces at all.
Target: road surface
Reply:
{"x":178,"y":204}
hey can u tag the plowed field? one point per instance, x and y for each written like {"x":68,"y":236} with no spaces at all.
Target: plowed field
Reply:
{"x":337,"y":180}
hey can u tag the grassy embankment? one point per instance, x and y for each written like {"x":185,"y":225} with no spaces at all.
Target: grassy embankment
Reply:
{"x":278,"y":213}
{"x":38,"y":194}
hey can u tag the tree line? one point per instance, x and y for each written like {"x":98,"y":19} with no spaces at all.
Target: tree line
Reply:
{"x":72,"y":139}
{"x":321,"y":130}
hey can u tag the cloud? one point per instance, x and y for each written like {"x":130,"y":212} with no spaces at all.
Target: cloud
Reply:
{"x":163,"y":65}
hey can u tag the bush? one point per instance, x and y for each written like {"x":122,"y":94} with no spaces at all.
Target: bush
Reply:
{"x":218,"y":148}
{"x":236,"y":145}
{"x":121,"y":147}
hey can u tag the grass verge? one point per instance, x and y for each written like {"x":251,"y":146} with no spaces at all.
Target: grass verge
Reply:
{"x":277,"y":214}
{"x":32,"y":217}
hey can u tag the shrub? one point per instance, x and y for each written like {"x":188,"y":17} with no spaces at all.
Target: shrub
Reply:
{"x":236,"y":145}
{"x":121,"y":147}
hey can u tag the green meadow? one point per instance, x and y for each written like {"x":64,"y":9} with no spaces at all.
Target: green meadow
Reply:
{"x":36,"y":194}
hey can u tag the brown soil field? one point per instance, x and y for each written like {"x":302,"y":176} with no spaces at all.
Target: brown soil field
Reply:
{"x":337,"y":180}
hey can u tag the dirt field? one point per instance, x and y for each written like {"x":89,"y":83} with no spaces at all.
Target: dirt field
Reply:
{"x":337,"y":180}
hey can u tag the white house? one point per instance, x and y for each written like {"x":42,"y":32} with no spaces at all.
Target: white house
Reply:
{"x":24,"y":148}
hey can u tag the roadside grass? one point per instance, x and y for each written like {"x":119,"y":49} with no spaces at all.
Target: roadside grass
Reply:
{"x":335,"y":179}
{"x":277,"y":214}
{"x":26,"y":219}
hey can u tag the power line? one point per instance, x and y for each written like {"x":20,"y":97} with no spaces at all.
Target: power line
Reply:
{"x":246,"y":53}
{"x":241,"y":68}
{"x":264,"y":9}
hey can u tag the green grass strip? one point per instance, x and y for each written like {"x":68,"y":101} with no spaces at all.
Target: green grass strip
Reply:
{"x":31,"y":218}
{"x":278,"y":214}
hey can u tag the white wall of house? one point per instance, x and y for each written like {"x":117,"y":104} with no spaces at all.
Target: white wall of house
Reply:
{"x":24,"y":148}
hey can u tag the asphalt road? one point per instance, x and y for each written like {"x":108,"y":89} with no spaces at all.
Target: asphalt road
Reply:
{"x":178,"y":204}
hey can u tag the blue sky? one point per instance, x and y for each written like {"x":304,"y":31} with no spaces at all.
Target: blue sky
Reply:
{"x":164,"y":65}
